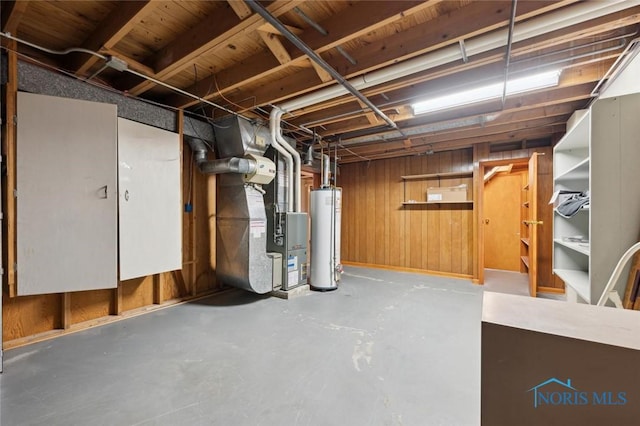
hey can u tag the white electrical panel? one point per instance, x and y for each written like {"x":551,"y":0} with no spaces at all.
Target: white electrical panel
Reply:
{"x":149,"y":200}
{"x":65,"y":195}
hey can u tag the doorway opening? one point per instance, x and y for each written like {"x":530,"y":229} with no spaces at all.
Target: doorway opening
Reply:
{"x":503,"y":236}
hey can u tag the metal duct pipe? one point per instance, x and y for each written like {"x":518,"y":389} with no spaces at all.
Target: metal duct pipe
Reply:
{"x":324,"y":169}
{"x":553,"y":21}
{"x":297,"y":182}
{"x":224,"y":165}
{"x":288,"y":159}
{"x":199,"y":150}
{"x":228,"y":165}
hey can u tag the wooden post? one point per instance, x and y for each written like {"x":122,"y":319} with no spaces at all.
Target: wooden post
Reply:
{"x":66,"y":310}
{"x":116,"y":307}
{"x":158,"y":289}
{"x":9,"y":150}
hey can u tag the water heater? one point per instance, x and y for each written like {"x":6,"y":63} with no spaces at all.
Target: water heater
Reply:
{"x":326,"y":212}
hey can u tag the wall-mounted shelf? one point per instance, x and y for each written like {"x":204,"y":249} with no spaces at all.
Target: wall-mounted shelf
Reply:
{"x":525,"y":241}
{"x":525,"y":260}
{"x":414,"y":203}
{"x":443,"y":175}
{"x":437,"y":175}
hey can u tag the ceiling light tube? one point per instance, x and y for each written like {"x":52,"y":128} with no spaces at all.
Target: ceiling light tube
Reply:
{"x":485,"y":93}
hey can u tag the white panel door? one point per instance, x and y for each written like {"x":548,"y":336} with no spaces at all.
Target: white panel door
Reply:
{"x":150,"y":203}
{"x":66,"y":195}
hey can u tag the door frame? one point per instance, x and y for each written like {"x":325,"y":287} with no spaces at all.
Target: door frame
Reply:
{"x":482,"y":167}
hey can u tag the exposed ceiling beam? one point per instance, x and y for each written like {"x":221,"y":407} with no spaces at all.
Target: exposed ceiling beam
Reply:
{"x":300,"y":81}
{"x":575,"y":83}
{"x":469,"y":21}
{"x":506,"y":122}
{"x":362,"y":17}
{"x":12,"y":12}
{"x":423,"y":147}
{"x":322,"y":73}
{"x":274,"y":43}
{"x":268,"y":28}
{"x":240,"y":8}
{"x":214,"y":32}
{"x":110,"y":31}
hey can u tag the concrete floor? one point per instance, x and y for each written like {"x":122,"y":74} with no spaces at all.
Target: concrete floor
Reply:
{"x":386,"y":348}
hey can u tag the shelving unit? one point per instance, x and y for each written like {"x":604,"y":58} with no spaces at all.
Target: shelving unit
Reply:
{"x":445,"y":175}
{"x":597,"y":154}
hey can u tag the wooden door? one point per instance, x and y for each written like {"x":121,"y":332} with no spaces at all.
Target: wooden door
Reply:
{"x":532,"y":224}
{"x":502,"y":222}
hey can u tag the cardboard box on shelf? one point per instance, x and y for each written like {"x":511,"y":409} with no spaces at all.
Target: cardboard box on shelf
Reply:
{"x":448,"y":193}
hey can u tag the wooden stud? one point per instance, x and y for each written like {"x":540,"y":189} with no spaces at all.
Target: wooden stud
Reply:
{"x":274,"y":43}
{"x":240,"y":8}
{"x":9,"y":149}
{"x":66,"y":310}
{"x":178,"y":277}
{"x":117,"y":302}
{"x":158,"y":289}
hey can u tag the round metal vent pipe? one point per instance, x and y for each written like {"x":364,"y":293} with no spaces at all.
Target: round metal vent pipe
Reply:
{"x":274,"y":127}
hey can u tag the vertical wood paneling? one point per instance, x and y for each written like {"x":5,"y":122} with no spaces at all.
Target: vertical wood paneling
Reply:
{"x":445,"y":218}
{"x":381,"y":196}
{"x":433,"y":219}
{"x":379,"y":230}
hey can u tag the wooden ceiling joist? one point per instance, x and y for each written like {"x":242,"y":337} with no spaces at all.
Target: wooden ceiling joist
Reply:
{"x":12,"y":12}
{"x":362,"y":19}
{"x":420,"y":39}
{"x":274,"y":43}
{"x":110,"y":31}
{"x":209,"y":35}
{"x":240,"y":8}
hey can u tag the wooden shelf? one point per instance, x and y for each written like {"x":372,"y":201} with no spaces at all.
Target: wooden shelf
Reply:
{"x":436,"y":175}
{"x":526,"y":187}
{"x":525,"y":260}
{"x":525,"y":241}
{"x":413,"y":203}
{"x":577,"y":280}
{"x":525,"y":204}
{"x":582,"y":248}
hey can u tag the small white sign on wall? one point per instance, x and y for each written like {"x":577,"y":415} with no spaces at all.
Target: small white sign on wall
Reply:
{"x":150,"y":207}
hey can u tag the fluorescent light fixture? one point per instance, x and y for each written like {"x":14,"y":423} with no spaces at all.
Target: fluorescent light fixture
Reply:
{"x":485,"y":93}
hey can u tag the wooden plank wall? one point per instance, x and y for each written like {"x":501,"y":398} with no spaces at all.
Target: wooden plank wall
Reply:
{"x":378,"y":230}
{"x":31,"y":318}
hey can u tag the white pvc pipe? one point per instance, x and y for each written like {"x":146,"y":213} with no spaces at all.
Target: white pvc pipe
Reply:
{"x":617,"y":271}
{"x":544,"y":24}
{"x":275,"y":132}
{"x":297,"y":182}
